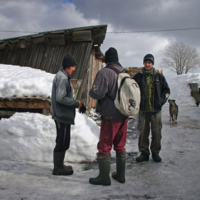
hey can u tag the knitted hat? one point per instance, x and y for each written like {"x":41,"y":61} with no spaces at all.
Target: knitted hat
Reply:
{"x":149,"y":57}
{"x":111,"y":55}
{"x":68,"y":61}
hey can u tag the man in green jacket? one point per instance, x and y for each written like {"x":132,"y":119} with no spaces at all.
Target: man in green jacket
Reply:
{"x":63,"y":108}
{"x":154,"y":93}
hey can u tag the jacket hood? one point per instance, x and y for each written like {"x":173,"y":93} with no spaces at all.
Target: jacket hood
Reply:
{"x":116,"y":65}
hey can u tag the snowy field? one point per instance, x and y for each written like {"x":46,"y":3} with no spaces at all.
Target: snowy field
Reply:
{"x":28,"y":139}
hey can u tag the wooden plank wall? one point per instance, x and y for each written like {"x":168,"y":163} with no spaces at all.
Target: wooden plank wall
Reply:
{"x":47,"y":56}
{"x":94,"y":65}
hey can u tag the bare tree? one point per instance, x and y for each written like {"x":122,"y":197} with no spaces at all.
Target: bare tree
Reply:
{"x":180,"y":58}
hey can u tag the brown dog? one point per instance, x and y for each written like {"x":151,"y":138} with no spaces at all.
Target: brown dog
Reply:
{"x":173,"y":110}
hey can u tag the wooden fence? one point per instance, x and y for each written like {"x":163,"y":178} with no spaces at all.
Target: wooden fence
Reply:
{"x":195,"y":92}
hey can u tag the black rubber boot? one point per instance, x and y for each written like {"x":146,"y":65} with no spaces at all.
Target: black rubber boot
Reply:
{"x":68,"y":167}
{"x":104,"y":169}
{"x":142,"y":157}
{"x":59,"y":167}
{"x":156,"y":157}
{"x":119,"y":175}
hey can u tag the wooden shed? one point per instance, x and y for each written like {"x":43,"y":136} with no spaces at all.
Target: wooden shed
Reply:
{"x":46,"y":50}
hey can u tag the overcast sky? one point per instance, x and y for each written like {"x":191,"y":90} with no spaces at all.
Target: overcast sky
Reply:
{"x":120,"y":16}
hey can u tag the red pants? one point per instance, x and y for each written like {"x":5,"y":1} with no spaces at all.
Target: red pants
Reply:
{"x":113,"y":132}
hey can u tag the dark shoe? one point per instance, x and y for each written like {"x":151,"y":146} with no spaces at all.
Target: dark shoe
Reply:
{"x":142,"y":157}
{"x":59,"y":167}
{"x":119,"y":175}
{"x":156,"y":157}
{"x":104,"y":169}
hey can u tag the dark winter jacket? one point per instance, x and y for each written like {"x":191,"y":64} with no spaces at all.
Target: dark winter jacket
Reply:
{"x":62,"y":102}
{"x":161,"y":90}
{"x":105,"y":86}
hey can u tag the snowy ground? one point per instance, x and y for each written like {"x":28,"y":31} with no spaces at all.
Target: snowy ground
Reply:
{"x":27,"y":142}
{"x":176,"y":177}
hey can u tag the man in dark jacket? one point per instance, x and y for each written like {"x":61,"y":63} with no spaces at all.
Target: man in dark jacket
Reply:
{"x":113,"y":125}
{"x":63,"y":112}
{"x":154,"y":93}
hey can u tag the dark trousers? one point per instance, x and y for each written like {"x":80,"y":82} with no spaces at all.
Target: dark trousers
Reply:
{"x":113,"y":133}
{"x":63,"y":137}
{"x":146,"y":122}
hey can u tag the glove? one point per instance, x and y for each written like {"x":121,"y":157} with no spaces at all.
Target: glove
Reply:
{"x":82,"y":109}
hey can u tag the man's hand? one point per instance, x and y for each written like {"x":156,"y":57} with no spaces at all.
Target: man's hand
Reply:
{"x":82,"y":109}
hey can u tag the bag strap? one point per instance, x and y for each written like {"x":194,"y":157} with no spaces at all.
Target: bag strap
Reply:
{"x":118,"y":72}
{"x":122,"y":82}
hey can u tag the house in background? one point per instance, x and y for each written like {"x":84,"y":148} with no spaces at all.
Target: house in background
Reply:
{"x":46,"y":50}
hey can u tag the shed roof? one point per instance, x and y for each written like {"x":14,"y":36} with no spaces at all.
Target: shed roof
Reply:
{"x":46,"y":50}
{"x":98,"y":33}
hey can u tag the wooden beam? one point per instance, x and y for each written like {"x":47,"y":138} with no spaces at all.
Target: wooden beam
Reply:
{"x":58,"y":39}
{"x":46,"y":112}
{"x":76,"y":88}
{"x":23,"y":44}
{"x":2,"y":46}
{"x":14,"y":41}
{"x":38,"y":40}
{"x":79,"y":36}
{"x":39,"y":104}
{"x":30,"y":98}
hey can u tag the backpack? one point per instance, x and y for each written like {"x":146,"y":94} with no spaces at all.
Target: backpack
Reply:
{"x":127,"y":99}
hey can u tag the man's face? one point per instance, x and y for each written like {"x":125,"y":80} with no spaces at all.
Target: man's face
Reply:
{"x":71,"y":69}
{"x":148,"y":65}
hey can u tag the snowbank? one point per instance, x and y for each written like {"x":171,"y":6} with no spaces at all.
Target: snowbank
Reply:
{"x":31,"y":136}
{"x":24,"y":81}
{"x":180,"y":91}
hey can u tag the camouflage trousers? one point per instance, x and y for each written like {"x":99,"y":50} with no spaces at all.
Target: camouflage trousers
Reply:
{"x":146,"y":122}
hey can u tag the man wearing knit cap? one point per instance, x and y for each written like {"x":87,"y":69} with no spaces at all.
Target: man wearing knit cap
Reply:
{"x":154,"y":93}
{"x":63,"y":108}
{"x":113,"y":130}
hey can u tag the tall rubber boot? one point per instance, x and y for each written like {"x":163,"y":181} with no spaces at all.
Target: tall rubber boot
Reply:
{"x":67,"y":166}
{"x":119,"y":175}
{"x":59,"y":167}
{"x":104,"y":169}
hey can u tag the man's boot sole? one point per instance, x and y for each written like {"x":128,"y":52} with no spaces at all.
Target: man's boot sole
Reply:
{"x":63,"y":174}
{"x":106,"y":183}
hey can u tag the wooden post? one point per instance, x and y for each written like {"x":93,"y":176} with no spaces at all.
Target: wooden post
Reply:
{"x":195,"y":92}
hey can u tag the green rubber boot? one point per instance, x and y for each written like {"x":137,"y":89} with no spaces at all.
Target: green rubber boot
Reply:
{"x":59,"y":167}
{"x":104,"y":169}
{"x":119,"y":175}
